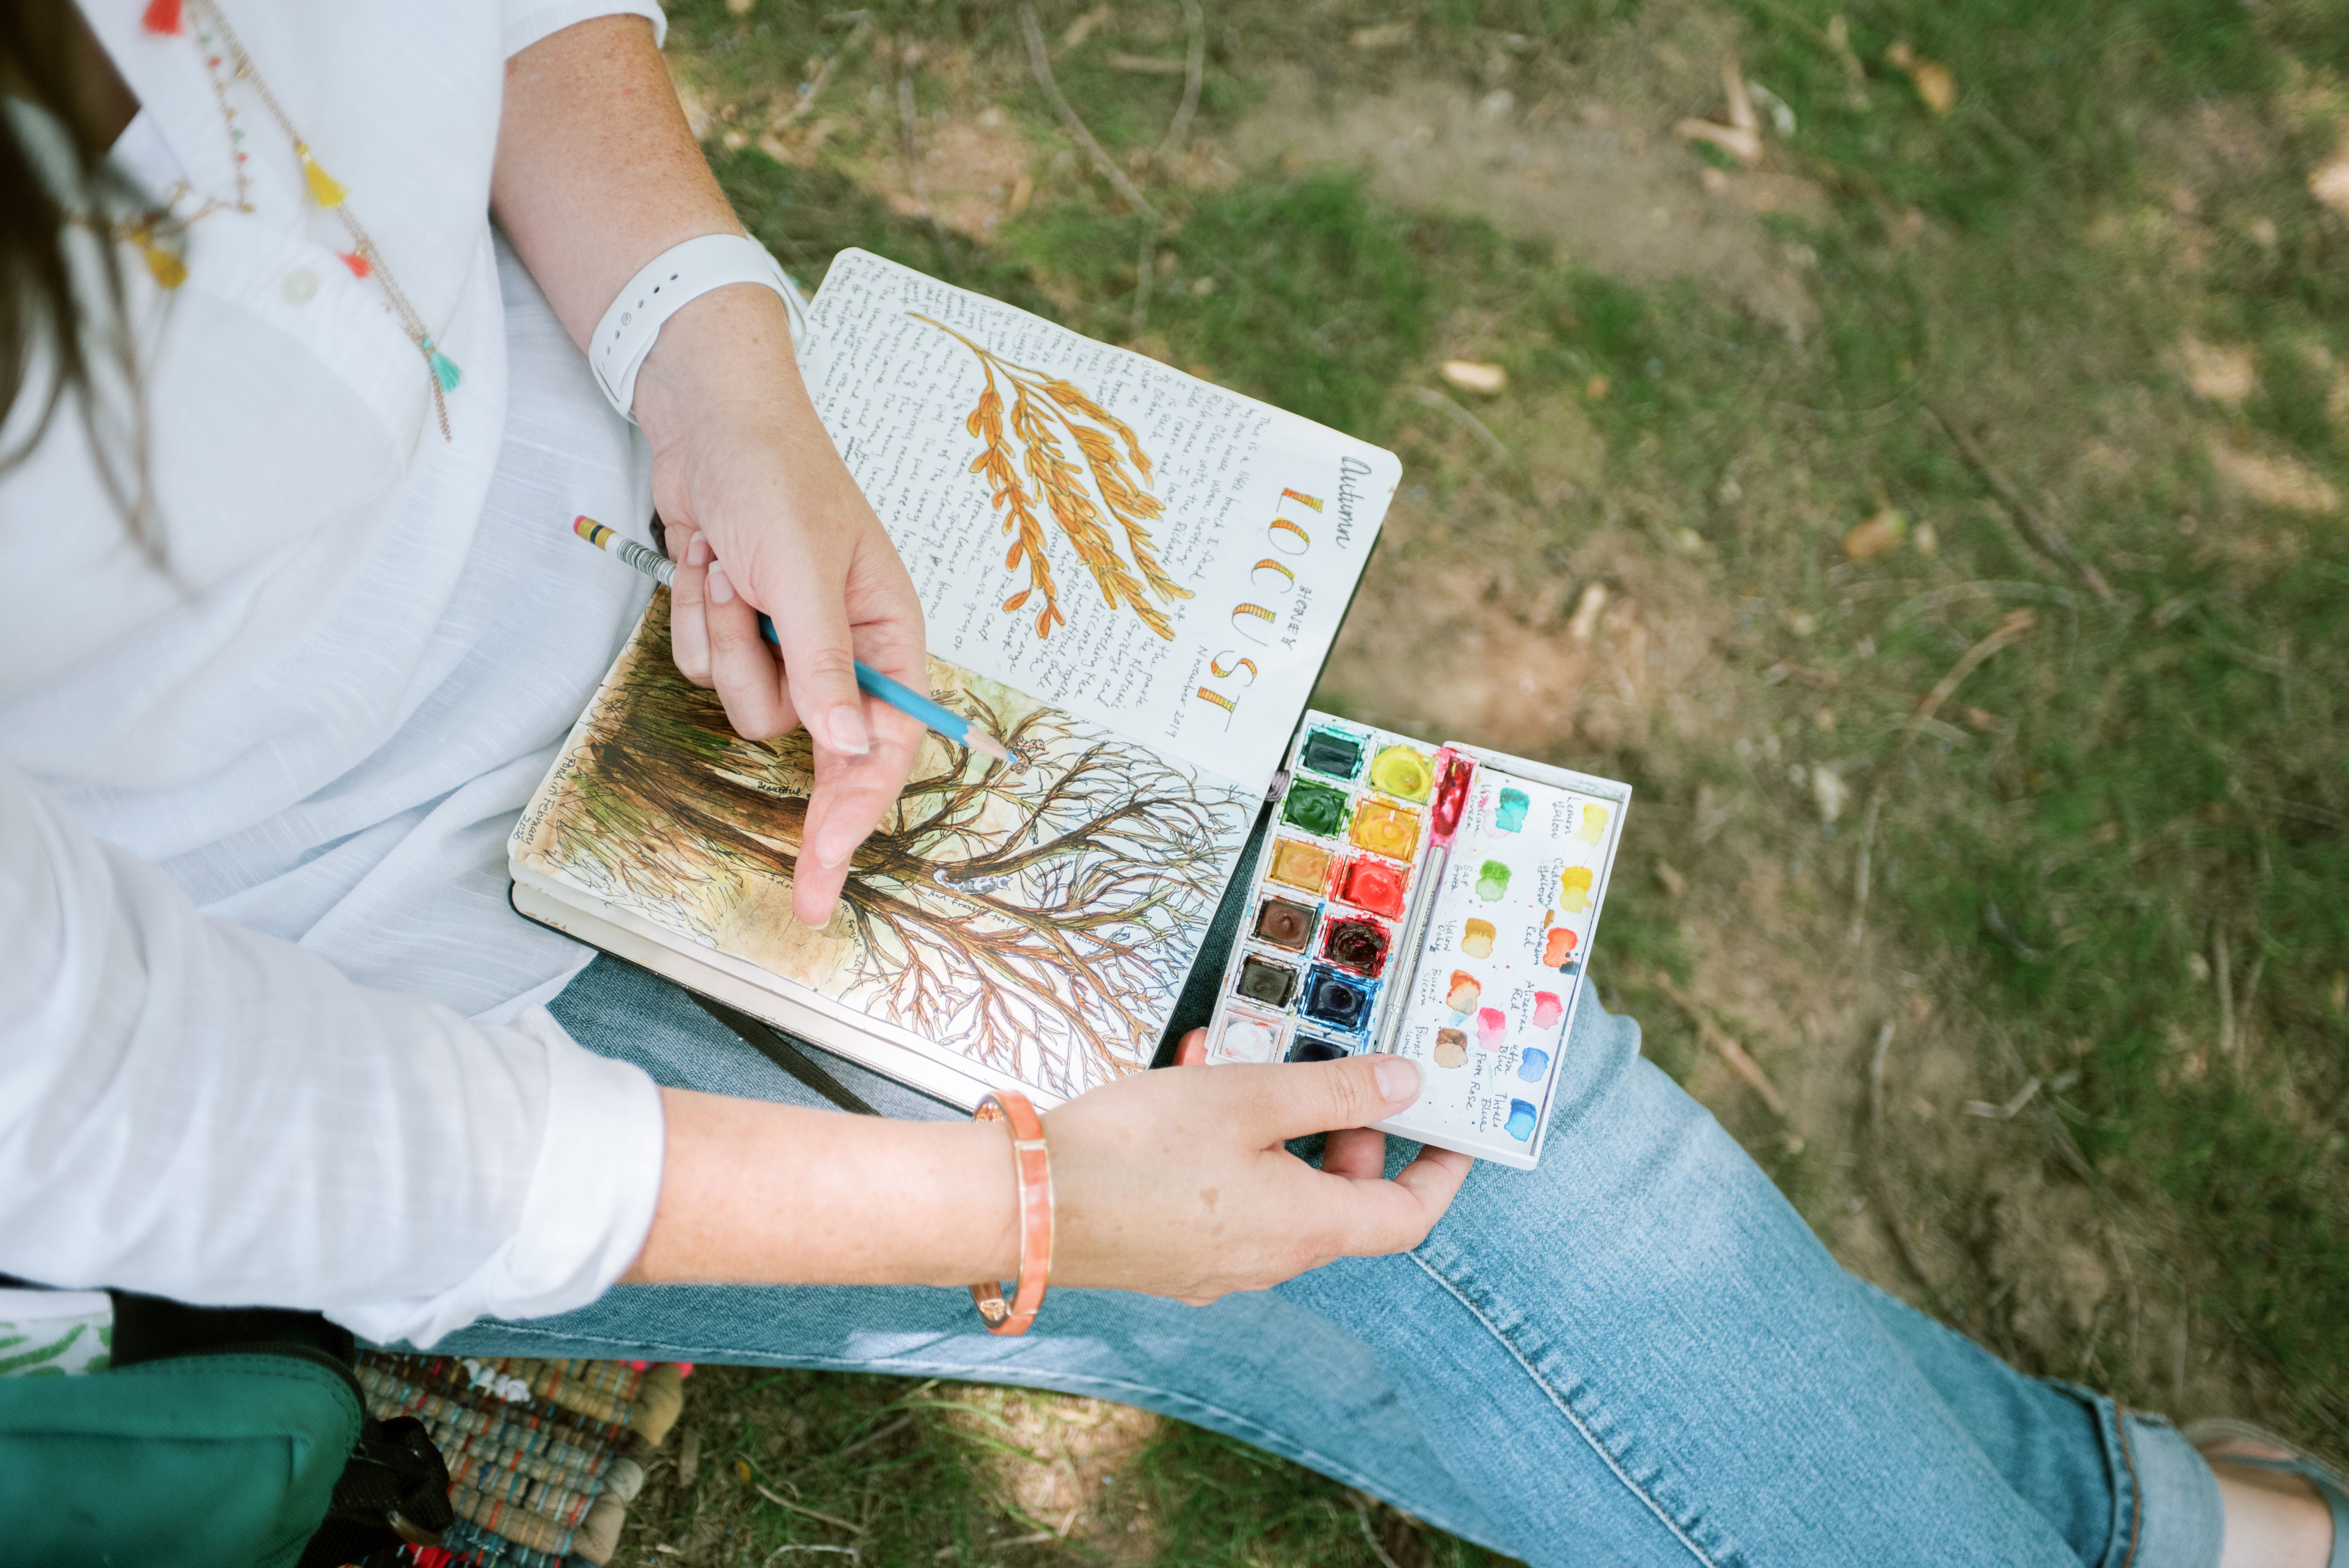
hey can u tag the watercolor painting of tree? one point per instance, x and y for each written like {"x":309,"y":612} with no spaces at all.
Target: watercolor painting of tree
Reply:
{"x":1037,"y":917}
{"x":1042,"y":408}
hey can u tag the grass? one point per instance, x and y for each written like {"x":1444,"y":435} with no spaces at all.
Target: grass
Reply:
{"x":2140,"y":793}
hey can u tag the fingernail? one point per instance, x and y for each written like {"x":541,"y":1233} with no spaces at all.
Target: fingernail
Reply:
{"x":698,"y":552}
{"x":719,"y":590}
{"x":1397,"y":1078}
{"x":847,"y":727}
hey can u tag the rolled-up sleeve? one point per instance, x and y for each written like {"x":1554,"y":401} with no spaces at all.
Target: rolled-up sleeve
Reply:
{"x":528,"y":21}
{"x":194,"y":1109}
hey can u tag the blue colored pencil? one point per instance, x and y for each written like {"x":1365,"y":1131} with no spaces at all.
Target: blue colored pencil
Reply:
{"x":897,"y":694}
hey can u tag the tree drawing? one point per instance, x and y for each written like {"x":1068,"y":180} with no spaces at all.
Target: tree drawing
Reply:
{"x":1037,"y":917}
{"x":1042,"y":407}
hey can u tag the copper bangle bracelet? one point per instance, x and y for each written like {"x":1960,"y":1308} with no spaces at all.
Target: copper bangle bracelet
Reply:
{"x":1033,"y":1167}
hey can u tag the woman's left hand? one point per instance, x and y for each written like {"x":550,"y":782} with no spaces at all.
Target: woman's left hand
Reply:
{"x":761,"y":515}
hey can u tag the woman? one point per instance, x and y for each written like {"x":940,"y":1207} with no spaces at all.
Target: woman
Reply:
{"x":290,"y":635}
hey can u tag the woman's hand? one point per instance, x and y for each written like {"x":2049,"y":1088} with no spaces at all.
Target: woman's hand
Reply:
{"x":763,"y":515}
{"x":1175,"y":1182}
{"x":1171,"y":1183}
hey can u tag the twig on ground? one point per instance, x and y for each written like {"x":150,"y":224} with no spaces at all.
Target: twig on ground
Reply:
{"x":2013,"y":627}
{"x":806,"y":1546}
{"x":1042,"y":67}
{"x":1725,"y":1047}
{"x":833,"y":1519}
{"x":814,"y":89}
{"x":1884,"y":1194}
{"x":2044,"y":534}
{"x":2128,"y":1285}
{"x":1362,"y":1516}
{"x":2222,"y":966}
{"x":1195,"y":74}
{"x":1145,"y":270}
{"x":899,"y":1425}
{"x":909,"y":55}
{"x":1430,"y":398}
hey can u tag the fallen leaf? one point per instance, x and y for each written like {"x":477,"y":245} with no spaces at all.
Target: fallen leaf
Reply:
{"x":1082,"y":28}
{"x":1926,"y":540}
{"x":1936,"y":84}
{"x":1743,"y":145}
{"x":740,"y":7}
{"x":2218,"y":375}
{"x":2278,"y":481}
{"x":1596,"y":387}
{"x":1828,"y":793}
{"x":2329,"y":182}
{"x":1475,"y":375}
{"x":1385,"y":36}
{"x":1742,"y":137}
{"x":1670,"y":881}
{"x":1877,"y":535}
{"x":1586,"y":612}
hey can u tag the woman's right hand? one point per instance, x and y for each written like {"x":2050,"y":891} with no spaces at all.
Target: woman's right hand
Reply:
{"x":1176,"y":1183}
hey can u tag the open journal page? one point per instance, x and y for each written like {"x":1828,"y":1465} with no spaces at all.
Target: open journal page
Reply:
{"x":1127,"y":542}
{"x":1034,"y":921}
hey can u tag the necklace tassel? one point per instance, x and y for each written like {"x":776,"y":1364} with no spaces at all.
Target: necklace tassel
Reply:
{"x":170,"y":272}
{"x":360,"y":266}
{"x":161,"y":17}
{"x":444,"y":369}
{"x":324,"y":189}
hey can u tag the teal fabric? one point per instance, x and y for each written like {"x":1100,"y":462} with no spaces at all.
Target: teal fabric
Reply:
{"x":227,"y":1460}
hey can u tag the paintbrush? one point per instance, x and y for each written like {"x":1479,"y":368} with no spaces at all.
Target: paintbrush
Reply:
{"x":1454,"y":773}
{"x":903,"y":697}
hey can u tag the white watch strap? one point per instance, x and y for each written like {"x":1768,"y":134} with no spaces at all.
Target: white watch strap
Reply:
{"x":674,"y":279}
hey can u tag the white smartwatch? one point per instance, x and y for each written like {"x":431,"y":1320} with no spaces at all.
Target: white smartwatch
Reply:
{"x":674,"y":279}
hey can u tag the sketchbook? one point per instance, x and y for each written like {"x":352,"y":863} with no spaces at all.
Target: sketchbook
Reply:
{"x":1130,"y":576}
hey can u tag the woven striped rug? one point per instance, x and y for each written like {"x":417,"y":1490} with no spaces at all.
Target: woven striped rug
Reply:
{"x":544,"y":1456}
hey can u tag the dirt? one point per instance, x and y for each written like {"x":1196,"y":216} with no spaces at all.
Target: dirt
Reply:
{"x":1584,"y":156}
{"x":2014,"y":1246}
{"x":1056,"y":1460}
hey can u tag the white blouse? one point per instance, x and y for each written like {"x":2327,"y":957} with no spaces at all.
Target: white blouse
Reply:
{"x":268,"y":1030}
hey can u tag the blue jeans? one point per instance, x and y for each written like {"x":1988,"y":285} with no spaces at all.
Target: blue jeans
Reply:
{"x":1637,"y":1354}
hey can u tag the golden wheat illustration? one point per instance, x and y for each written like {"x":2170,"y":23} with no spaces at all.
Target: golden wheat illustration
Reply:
{"x":1043,"y":407}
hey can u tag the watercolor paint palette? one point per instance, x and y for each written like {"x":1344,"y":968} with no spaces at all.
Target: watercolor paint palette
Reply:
{"x":1437,"y":901}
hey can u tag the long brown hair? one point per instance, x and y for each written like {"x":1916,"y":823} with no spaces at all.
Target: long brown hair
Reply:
{"x":59,"y":324}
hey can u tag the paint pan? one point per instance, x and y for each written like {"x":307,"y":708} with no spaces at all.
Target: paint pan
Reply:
{"x":1285,"y":924}
{"x":1310,"y":1049}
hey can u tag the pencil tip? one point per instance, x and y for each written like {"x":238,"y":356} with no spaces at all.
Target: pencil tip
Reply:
{"x":980,"y":740}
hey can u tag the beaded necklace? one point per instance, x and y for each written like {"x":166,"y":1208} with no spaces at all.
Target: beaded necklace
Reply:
{"x":225,"y":59}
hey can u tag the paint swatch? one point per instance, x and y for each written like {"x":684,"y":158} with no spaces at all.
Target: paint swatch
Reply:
{"x":1285,"y":924}
{"x":1404,"y":772}
{"x":1316,"y":808}
{"x":1360,"y":946}
{"x":1477,"y":938}
{"x":1332,"y":752}
{"x":1509,"y":814}
{"x":1262,"y":980}
{"x":1300,"y":865}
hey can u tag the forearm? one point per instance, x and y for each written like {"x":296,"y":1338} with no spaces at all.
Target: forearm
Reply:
{"x":758,"y":1194}
{"x":596,"y":173}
